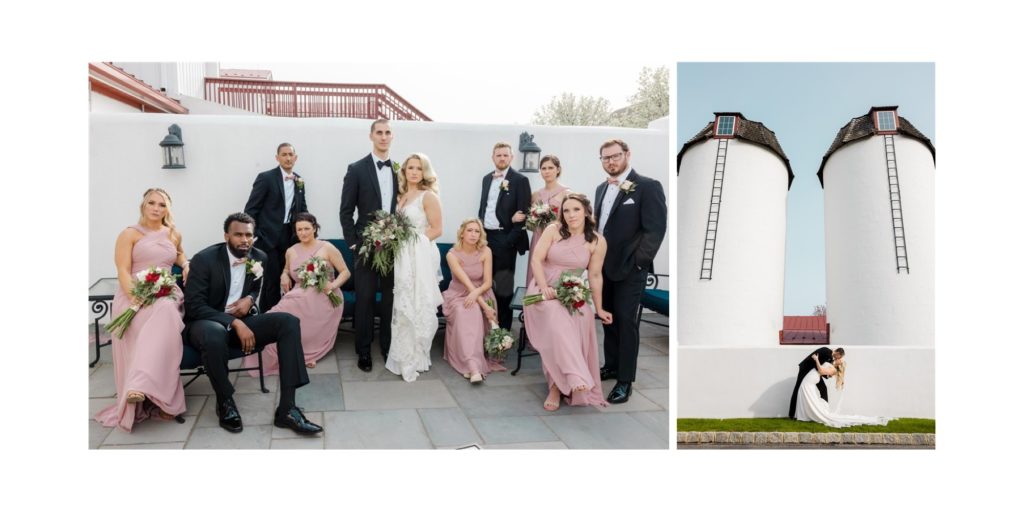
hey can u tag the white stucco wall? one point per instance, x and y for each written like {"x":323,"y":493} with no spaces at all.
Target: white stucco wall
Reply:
{"x":104,"y":104}
{"x":224,"y":154}
{"x":176,"y":78}
{"x":745,"y":382}
{"x":742,"y":303}
{"x":869,"y":303}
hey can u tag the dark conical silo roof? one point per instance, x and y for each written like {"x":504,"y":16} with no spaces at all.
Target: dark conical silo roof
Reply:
{"x":864,"y":126}
{"x":750,"y":131}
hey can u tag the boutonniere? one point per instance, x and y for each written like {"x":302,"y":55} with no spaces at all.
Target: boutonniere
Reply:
{"x":396,"y":167}
{"x":504,"y":185}
{"x":627,"y":186}
{"x":300,"y":184}
{"x":254,"y":267}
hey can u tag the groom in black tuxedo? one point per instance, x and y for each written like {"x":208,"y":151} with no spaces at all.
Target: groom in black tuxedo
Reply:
{"x":277,"y":196}
{"x":370,"y":184}
{"x":503,"y":200}
{"x":220,"y":297}
{"x":825,"y":355}
{"x":631,"y":214}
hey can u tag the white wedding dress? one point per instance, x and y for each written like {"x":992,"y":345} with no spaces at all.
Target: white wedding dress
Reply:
{"x":811,"y":407}
{"x":417,"y":296}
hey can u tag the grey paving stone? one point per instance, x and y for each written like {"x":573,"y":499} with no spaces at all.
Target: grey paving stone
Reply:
{"x":98,"y":404}
{"x":646,"y":379}
{"x":637,"y":401}
{"x":101,"y":382}
{"x":194,"y":404}
{"x":300,"y":443}
{"x":658,"y":343}
{"x":655,"y":421}
{"x":395,"y":429}
{"x":97,"y":433}
{"x":327,"y":364}
{"x":498,"y":401}
{"x":153,"y":431}
{"x":657,"y":396}
{"x":345,"y":344}
{"x":600,"y":431}
{"x":151,"y":446}
{"x":448,"y":427}
{"x":255,"y":408}
{"x":287,"y":433}
{"x":396,"y":395}
{"x":216,"y":438}
{"x":247,"y":384}
{"x":553,"y":445}
{"x":513,"y":430}
{"x":323,"y":393}
{"x":349,"y":371}
{"x":541,"y":392}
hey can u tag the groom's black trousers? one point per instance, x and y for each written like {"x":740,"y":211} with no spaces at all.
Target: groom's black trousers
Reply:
{"x":213,"y":340}
{"x":367,"y":282}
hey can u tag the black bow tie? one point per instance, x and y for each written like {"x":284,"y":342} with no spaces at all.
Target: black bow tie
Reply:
{"x":381,"y":165}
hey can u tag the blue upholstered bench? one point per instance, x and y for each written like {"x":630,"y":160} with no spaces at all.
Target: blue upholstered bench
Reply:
{"x":654,"y":299}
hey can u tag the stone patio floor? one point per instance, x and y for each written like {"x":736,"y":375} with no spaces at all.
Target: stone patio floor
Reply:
{"x":378,"y":410}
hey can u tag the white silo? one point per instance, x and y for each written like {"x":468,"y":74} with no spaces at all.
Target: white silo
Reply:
{"x":879,"y":181}
{"x":732,"y":187}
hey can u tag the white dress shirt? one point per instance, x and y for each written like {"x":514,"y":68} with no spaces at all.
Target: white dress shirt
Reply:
{"x":289,"y":194}
{"x":237,"y":278}
{"x":384,"y":179}
{"x":610,"y":194}
{"x":490,"y":215}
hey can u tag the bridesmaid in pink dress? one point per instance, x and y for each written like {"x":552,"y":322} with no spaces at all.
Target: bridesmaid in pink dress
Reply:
{"x":467,"y":315}
{"x":318,"y":319}
{"x":146,"y":359}
{"x":568,"y":342}
{"x":552,"y":194}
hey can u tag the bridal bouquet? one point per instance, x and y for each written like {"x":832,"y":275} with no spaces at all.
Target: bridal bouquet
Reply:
{"x":540,"y":215}
{"x":150,"y":285}
{"x":383,"y":237}
{"x":570,"y":289}
{"x":314,"y":273}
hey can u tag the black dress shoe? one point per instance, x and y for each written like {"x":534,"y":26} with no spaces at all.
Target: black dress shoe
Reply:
{"x":620,"y":393}
{"x":295,"y":420}
{"x":365,"y":363}
{"x":609,"y":374}
{"x":228,"y":415}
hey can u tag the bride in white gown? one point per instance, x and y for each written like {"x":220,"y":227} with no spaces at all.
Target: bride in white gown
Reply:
{"x":417,"y":271}
{"x":811,"y":407}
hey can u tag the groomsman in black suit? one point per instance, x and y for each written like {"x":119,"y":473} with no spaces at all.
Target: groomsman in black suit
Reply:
{"x":631,"y":215}
{"x":825,"y":355}
{"x":503,"y":202}
{"x":277,"y":196}
{"x":220,"y":298}
{"x":370,"y":184}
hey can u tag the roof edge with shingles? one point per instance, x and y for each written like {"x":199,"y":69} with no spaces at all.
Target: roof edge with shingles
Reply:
{"x":750,"y":131}
{"x":864,"y":126}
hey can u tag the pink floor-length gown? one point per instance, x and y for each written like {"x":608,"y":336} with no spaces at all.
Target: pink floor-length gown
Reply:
{"x":318,"y":319}
{"x":545,"y":196}
{"x":567,"y":342}
{"x":147,"y":358}
{"x":466,"y":326}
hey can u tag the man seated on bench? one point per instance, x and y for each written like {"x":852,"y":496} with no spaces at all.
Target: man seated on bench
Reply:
{"x":220,"y":296}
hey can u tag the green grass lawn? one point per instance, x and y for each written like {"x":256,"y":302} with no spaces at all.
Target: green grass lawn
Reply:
{"x":898,"y":426}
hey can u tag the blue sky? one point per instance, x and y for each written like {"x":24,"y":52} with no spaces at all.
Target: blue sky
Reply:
{"x":805,"y":104}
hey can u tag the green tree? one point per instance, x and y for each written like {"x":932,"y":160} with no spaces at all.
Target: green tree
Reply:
{"x":650,"y":101}
{"x":570,"y":110}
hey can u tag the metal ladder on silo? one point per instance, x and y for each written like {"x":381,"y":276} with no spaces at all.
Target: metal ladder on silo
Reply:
{"x":899,"y":238}
{"x":714,"y":208}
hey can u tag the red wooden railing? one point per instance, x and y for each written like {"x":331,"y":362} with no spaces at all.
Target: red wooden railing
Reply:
{"x":308,"y":99}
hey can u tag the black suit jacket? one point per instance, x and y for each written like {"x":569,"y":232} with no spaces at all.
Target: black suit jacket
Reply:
{"x":807,"y":365}
{"x":209,"y":282}
{"x":635,"y":227}
{"x":361,"y":191}
{"x":266,"y":205}
{"x":516,"y":198}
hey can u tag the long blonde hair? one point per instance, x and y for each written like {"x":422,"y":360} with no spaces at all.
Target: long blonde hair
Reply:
{"x":429,"y":181}
{"x":481,"y":243}
{"x":840,"y":373}
{"x":168,"y":219}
